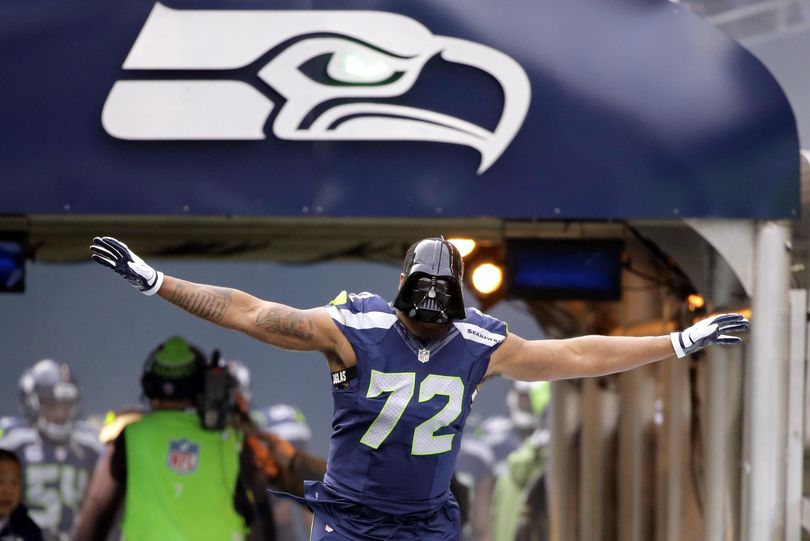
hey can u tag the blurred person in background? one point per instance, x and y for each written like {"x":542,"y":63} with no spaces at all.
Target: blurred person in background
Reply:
{"x":525,"y":467}
{"x":195,"y":447}
{"x":110,"y":426}
{"x":505,"y":434}
{"x":279,"y":435}
{"x":293,"y":521}
{"x":57,"y":452}
{"x":475,"y":472}
{"x":175,"y":478}
{"x":15,"y":524}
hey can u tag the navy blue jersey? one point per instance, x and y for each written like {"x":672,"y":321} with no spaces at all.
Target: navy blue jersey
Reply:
{"x":397,"y":426}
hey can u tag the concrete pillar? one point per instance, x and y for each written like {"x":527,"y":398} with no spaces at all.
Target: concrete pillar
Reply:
{"x":563,"y":467}
{"x":600,"y":408}
{"x":763,"y":506}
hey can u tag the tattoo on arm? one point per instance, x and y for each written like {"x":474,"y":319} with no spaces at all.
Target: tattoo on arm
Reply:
{"x":206,"y":303}
{"x":285,"y":321}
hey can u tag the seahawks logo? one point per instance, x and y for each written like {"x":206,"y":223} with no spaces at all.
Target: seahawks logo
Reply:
{"x":372,"y":56}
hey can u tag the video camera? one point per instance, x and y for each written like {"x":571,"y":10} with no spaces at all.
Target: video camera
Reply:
{"x":217,"y":401}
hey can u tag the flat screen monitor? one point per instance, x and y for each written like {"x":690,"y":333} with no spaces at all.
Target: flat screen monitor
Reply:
{"x":12,"y":265}
{"x":564,"y":269}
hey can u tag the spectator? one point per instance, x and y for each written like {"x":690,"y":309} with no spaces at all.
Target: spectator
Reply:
{"x":57,"y":452}
{"x":15,"y":524}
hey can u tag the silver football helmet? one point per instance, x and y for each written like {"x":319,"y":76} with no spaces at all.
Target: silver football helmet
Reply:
{"x":50,"y":398}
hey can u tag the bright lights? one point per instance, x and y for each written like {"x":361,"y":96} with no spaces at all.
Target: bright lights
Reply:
{"x":487,"y":278}
{"x":465,"y":246}
{"x":695,"y":302}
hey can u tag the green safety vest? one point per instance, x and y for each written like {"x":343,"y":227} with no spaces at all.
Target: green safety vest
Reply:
{"x":509,"y":496}
{"x":181,"y":480}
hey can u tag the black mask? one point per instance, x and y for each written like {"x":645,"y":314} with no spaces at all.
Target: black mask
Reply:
{"x":430,"y":297}
{"x":431,"y":291}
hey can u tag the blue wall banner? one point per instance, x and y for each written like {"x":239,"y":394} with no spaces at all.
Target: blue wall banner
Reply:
{"x":545,"y":109}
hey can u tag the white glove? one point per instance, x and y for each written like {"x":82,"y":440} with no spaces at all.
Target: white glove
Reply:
{"x":708,"y":331}
{"x":115,"y":255}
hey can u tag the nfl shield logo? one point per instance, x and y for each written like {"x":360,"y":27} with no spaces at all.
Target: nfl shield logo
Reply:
{"x":423,"y":355}
{"x":183,"y":456}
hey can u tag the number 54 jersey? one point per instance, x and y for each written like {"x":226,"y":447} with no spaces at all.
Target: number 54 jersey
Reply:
{"x":55,"y":474}
{"x":399,"y":419}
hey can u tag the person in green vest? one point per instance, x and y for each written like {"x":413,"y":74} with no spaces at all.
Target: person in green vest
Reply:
{"x":525,"y":468}
{"x":176,"y":480}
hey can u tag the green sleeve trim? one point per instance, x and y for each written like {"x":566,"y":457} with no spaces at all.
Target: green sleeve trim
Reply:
{"x":340,"y":299}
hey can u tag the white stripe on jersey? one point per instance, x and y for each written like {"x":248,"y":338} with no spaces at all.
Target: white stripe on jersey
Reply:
{"x":367,"y":320}
{"x":17,"y":437}
{"x":478,"y":334}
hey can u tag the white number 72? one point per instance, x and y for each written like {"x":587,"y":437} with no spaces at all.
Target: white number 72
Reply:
{"x":401,"y":385}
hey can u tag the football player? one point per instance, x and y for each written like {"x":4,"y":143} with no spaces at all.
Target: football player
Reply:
{"x":58,"y":453}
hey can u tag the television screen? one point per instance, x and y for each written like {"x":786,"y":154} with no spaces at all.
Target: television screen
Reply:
{"x":12,"y":266}
{"x":564,"y":269}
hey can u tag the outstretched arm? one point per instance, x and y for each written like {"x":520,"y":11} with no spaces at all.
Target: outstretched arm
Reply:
{"x":274,"y":323}
{"x":586,"y":356}
{"x":271,"y":322}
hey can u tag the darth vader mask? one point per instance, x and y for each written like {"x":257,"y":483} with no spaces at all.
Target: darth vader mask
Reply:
{"x":431,"y":291}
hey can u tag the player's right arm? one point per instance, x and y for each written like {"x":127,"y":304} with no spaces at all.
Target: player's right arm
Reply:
{"x":277,"y":324}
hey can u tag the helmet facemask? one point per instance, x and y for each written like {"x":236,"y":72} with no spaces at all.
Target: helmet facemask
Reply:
{"x":58,"y":413}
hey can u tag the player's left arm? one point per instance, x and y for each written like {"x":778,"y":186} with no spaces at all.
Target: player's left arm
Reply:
{"x":587,"y":356}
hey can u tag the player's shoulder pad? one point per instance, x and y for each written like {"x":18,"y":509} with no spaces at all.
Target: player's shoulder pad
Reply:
{"x":10,"y":423}
{"x":87,"y":435}
{"x":362,"y":311}
{"x":16,"y":435}
{"x":358,"y":301}
{"x":483,"y":329}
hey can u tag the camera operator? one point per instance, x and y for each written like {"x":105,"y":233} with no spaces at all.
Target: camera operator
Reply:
{"x":176,"y":471}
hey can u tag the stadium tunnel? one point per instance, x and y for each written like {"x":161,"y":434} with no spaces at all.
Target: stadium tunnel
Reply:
{"x":707,"y":448}
{"x":665,"y":442}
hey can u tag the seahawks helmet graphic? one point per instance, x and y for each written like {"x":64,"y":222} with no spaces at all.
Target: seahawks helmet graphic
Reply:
{"x":372,"y":56}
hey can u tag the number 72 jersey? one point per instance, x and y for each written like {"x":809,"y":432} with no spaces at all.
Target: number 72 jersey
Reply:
{"x":397,"y":425}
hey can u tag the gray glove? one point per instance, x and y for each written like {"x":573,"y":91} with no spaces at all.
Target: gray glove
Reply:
{"x":117,"y":256}
{"x":708,"y":331}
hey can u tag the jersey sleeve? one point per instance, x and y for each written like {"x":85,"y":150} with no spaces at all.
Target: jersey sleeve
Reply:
{"x":482,"y":333}
{"x":362,"y":317}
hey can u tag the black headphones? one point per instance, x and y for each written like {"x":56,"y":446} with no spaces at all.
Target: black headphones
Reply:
{"x":167,"y":373}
